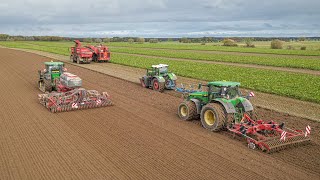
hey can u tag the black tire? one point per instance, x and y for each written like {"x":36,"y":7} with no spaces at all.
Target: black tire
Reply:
{"x":142,"y":82}
{"x":187,"y":110}
{"x":252,"y":114}
{"x":78,"y":60}
{"x":48,"y":85}
{"x":157,"y":86}
{"x":214,"y":117}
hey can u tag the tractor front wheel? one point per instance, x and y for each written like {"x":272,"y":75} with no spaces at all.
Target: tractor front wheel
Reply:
{"x":157,"y":86}
{"x":47,"y":85}
{"x":214,"y":117}
{"x":187,"y":111}
{"x":142,"y":81}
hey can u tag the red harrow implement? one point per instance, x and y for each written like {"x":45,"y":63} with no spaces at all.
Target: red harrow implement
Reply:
{"x":269,"y":137}
{"x":75,"y":99}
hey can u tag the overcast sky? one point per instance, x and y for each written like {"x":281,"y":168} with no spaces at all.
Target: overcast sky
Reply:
{"x":160,"y":18}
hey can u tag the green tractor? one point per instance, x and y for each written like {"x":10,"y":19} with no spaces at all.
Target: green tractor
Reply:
{"x":159,"y":78}
{"x":218,"y":107}
{"x":49,"y":76}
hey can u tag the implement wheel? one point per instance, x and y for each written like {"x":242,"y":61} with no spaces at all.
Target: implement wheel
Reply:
{"x":157,"y":86}
{"x":187,"y":110}
{"x":214,"y":117}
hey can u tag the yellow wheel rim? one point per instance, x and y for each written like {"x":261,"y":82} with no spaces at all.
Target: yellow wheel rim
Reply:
{"x":209,"y":117}
{"x":184,"y":111}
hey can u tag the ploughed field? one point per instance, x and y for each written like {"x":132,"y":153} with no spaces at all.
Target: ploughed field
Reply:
{"x":139,"y":137}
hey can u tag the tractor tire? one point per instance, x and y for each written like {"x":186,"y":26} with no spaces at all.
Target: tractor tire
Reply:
{"x":253,"y":115}
{"x":187,"y":111}
{"x":47,"y":85}
{"x":157,"y":86}
{"x":78,"y":60}
{"x":214,"y":117}
{"x":41,"y":86}
{"x":143,"y":84}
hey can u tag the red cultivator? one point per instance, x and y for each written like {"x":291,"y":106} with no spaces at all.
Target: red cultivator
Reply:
{"x":269,"y":137}
{"x":74,"y":99}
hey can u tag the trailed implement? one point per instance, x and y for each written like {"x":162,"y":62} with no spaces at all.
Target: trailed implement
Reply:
{"x":73,"y":100}
{"x":270,"y":136}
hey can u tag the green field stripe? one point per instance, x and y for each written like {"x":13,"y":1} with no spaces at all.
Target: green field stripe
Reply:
{"x":313,"y":64}
{"x":193,"y":46}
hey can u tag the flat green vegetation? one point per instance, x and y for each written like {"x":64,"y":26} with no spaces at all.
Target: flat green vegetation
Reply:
{"x":300,"y":86}
{"x":313,"y":48}
{"x":313,"y":64}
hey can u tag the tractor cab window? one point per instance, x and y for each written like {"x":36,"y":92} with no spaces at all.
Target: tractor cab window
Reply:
{"x":215,"y":91}
{"x":232,"y":92}
{"x":163,"y":69}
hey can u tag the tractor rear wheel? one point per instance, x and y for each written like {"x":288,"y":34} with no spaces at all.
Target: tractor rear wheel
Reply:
{"x":187,"y":110}
{"x":157,"y":86}
{"x":214,"y":117}
{"x":47,"y":85}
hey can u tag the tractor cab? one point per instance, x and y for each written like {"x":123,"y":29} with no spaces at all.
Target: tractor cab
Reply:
{"x":223,"y":89}
{"x":160,"y":69}
{"x":53,"y":70}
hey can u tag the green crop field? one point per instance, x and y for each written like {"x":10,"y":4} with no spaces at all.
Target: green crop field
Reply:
{"x":313,"y":48}
{"x":295,"y":85}
{"x":295,"y":62}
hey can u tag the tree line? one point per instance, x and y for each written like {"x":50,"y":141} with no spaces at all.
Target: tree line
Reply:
{"x":6,"y":37}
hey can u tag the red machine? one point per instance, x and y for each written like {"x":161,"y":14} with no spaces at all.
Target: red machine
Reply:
{"x":80,"y":54}
{"x":75,"y":99}
{"x":86,"y":54}
{"x":101,"y":53}
{"x":269,"y":137}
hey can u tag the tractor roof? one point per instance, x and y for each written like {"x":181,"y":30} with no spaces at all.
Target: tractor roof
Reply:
{"x":224,"y":83}
{"x":160,"y":65}
{"x":53,"y":63}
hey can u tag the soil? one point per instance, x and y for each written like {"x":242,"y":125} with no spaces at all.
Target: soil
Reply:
{"x":140,"y":137}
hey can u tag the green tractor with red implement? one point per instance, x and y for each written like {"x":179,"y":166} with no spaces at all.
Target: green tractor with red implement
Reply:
{"x":222,"y":108}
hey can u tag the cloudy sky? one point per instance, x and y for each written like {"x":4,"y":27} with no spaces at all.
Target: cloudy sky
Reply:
{"x":160,"y":18}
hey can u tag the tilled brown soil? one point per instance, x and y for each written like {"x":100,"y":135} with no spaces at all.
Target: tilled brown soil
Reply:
{"x":139,"y":137}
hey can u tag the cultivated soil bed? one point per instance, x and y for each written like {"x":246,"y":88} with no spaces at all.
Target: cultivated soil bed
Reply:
{"x":139,"y":137}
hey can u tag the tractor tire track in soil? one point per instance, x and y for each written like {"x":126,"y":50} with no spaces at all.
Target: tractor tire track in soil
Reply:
{"x":139,"y":137}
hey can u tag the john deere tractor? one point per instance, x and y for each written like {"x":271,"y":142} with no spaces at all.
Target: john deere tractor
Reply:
{"x":159,"y":78}
{"x":49,"y":76}
{"x":218,"y":106}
